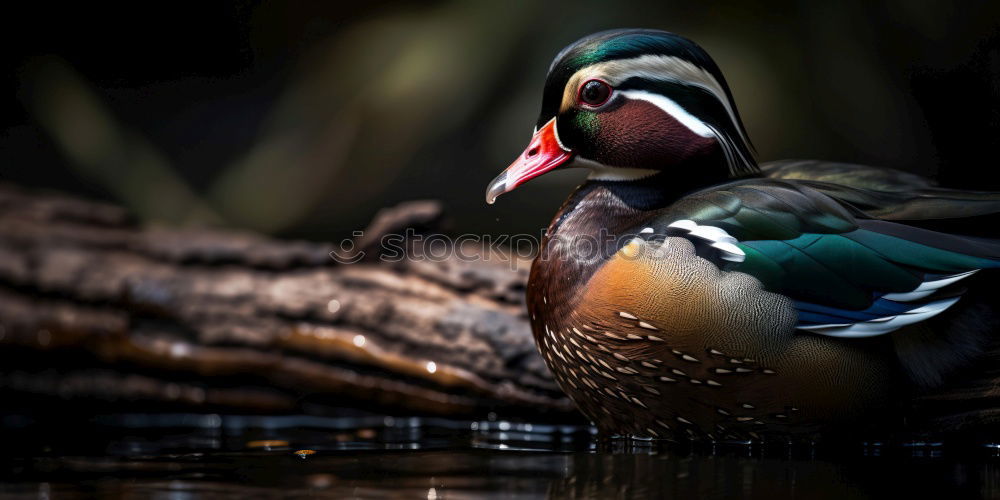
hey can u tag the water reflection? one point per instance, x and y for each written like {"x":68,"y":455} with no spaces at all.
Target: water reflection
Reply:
{"x":180,"y":456}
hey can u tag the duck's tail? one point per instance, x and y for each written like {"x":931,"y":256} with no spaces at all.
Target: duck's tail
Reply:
{"x":932,"y":352}
{"x":892,"y":195}
{"x":955,"y":211}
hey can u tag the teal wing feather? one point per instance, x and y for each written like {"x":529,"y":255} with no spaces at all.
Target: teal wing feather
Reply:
{"x":849,"y":274}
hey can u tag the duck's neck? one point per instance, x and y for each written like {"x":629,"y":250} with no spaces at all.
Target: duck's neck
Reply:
{"x":606,"y":209}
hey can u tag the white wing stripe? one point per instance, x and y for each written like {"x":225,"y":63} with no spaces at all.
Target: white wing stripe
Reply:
{"x":885,"y":325}
{"x":717,"y":237}
{"x":928,"y":287}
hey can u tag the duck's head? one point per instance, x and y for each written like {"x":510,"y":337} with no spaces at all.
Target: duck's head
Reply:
{"x":629,"y":104}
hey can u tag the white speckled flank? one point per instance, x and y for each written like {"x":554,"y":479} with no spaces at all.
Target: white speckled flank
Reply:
{"x":603,"y":363}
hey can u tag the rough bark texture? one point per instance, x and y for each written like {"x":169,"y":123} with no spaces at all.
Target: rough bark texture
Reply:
{"x":96,"y":308}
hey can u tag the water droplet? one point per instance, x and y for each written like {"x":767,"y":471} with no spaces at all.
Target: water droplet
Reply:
{"x":333,"y":306}
{"x":432,"y":367}
{"x":359,"y":340}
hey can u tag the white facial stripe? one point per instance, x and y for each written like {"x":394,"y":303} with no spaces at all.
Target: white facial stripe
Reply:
{"x":603,"y":173}
{"x":652,"y":67}
{"x":671,"y":108}
{"x":555,"y":132}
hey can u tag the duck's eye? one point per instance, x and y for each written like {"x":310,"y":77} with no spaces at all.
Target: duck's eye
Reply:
{"x":594,"y":92}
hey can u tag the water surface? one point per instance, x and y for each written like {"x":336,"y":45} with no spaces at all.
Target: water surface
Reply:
{"x":212,"y":456}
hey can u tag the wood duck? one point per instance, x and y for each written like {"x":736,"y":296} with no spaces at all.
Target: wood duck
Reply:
{"x":685,"y":291}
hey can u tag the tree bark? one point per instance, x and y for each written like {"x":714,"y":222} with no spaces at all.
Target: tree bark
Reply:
{"x":96,"y":308}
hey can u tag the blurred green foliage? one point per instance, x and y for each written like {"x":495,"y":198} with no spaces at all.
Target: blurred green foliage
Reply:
{"x":326,"y":113}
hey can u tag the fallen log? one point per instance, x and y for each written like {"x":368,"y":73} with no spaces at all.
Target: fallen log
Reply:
{"x":94,"y":307}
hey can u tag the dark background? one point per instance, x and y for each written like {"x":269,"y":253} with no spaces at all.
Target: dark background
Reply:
{"x":301,"y":119}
